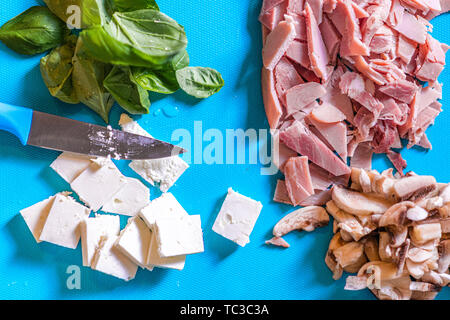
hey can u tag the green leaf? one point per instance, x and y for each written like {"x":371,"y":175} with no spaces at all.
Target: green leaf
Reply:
{"x":129,"y":94}
{"x":143,"y":38}
{"x":92,"y":12}
{"x":56,"y":69}
{"x":133,"y":5}
{"x":34,"y":31}
{"x":87,"y":79}
{"x":199,"y":82}
{"x":163,"y":82}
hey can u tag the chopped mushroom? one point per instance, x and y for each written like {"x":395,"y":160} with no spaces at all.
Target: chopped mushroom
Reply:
{"x":308,"y":219}
{"x":414,"y":187}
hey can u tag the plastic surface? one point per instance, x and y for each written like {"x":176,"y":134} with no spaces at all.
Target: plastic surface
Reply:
{"x":225,"y":35}
{"x":16,"y":120}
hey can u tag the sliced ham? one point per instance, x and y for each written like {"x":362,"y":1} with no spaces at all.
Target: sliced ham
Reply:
{"x":299,"y":138}
{"x":272,"y":17}
{"x":410,"y":27}
{"x":298,"y":52}
{"x":397,"y":160}
{"x":286,"y":77}
{"x":362,"y":158}
{"x":295,"y":6}
{"x":331,"y":38}
{"x":272,"y":104}
{"x":298,"y":180}
{"x":336,"y":135}
{"x":327,"y":113}
{"x":317,"y":51}
{"x":277,"y":42}
{"x":401,"y":90}
{"x":322,"y":179}
{"x":281,"y":194}
{"x":300,"y":96}
{"x":405,"y":48}
{"x":280,"y":153}
{"x":299,"y":26}
{"x":317,"y":9}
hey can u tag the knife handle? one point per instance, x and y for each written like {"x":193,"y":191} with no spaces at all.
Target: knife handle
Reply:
{"x":16,"y":120}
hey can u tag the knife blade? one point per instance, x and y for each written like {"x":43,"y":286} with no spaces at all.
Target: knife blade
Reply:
{"x":62,"y":134}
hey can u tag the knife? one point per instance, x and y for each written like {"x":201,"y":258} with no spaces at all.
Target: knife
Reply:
{"x":62,"y":134}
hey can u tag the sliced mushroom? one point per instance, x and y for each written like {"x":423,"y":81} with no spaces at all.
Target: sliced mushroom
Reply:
{"x":354,"y":283}
{"x":400,"y":255}
{"x":434,"y":278}
{"x":423,"y":233}
{"x":358,"y":203}
{"x":381,"y":270}
{"x":416,"y":270}
{"x":349,"y":254}
{"x":414,"y":187}
{"x":354,"y":268}
{"x":445,"y":194}
{"x":354,"y":177}
{"x":346,"y":236}
{"x":371,"y":249}
{"x":419,"y":295}
{"x":419,"y":255}
{"x":434,"y":203}
{"x":444,"y":211}
{"x":398,"y":235}
{"x":330,"y":260}
{"x":417,"y":213}
{"x":424,"y":287}
{"x":444,"y":256}
{"x":365,"y":182}
{"x":396,"y":214}
{"x":389,"y":173}
{"x":307,"y":219}
{"x":384,"y":248}
{"x":396,"y":289}
{"x":279,"y":242}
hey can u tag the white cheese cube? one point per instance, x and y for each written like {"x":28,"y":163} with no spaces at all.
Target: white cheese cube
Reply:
{"x":69,"y":165}
{"x":166,"y":205}
{"x":177,"y":236}
{"x":92,"y":230}
{"x":154,"y":259}
{"x":36,"y":215}
{"x":164,"y":172}
{"x":134,"y":241}
{"x":237,"y":218}
{"x":98,"y":183}
{"x":62,"y":226}
{"x":108,"y":259}
{"x":130,"y":199}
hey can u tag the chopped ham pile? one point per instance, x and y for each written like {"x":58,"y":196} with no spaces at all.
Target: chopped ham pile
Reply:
{"x":346,"y":79}
{"x":393,"y":232}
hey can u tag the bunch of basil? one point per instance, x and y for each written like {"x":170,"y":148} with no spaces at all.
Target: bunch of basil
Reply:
{"x":125,"y":49}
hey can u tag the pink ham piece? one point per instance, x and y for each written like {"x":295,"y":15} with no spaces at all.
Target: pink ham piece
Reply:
{"x":327,"y":113}
{"x":317,"y":9}
{"x":401,"y":90}
{"x":286,"y":77}
{"x":331,"y":38}
{"x":295,"y":6}
{"x":298,"y":97}
{"x":277,"y":42}
{"x":397,"y":160}
{"x":335,"y":134}
{"x":271,"y":102}
{"x":299,"y":25}
{"x":280,"y":153}
{"x":281,"y":194}
{"x":405,"y":48}
{"x":322,"y":179}
{"x":301,"y":139}
{"x":317,"y":51}
{"x":410,"y":27}
{"x":362,"y":158}
{"x":298,"y":52}
{"x":298,"y":180}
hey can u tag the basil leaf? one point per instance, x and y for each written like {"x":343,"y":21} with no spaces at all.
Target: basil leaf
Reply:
{"x":180,"y":61}
{"x":56,"y":69}
{"x":163,"y":82}
{"x":34,"y":31}
{"x":88,"y":76}
{"x":143,"y":38}
{"x":130,"y":96}
{"x":199,"y":82}
{"x":133,"y":5}
{"x":93,"y":12}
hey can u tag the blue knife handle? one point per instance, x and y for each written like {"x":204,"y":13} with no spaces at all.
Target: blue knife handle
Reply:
{"x":16,"y":120}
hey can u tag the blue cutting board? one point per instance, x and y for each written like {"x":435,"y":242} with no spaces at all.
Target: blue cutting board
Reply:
{"x":224,"y":35}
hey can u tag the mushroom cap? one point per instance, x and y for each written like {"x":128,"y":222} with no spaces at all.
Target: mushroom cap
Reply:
{"x":307,"y":219}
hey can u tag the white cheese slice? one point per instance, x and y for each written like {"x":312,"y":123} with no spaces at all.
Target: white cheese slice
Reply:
{"x":179,"y":235}
{"x":108,"y":259}
{"x":166,"y":205}
{"x":62,"y":226}
{"x":69,"y":165}
{"x":237,"y":218}
{"x":36,"y":215}
{"x":164,"y":172}
{"x":130,"y":199}
{"x":154,"y":259}
{"x":98,"y":183}
{"x":134,"y":241}
{"x":92,"y":230}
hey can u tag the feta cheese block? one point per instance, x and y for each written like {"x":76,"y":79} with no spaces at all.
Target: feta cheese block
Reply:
{"x":164,"y":172}
{"x":36,"y":215}
{"x":69,"y":165}
{"x":154,"y":259}
{"x":108,"y":259}
{"x":92,"y":231}
{"x":179,"y":235}
{"x":98,"y":184}
{"x":62,"y":226}
{"x":166,"y":205}
{"x":130,"y":199}
{"x":237,"y":217}
{"x":134,"y":241}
